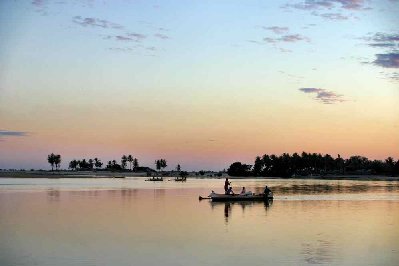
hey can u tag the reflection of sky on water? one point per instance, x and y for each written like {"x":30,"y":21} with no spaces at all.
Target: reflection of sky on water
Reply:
{"x":329,"y":223}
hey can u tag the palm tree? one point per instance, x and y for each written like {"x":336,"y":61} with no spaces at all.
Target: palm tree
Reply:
{"x":97,"y":163}
{"x":163,"y":163}
{"x":57,"y":161}
{"x":158,"y":165}
{"x":51,"y":160}
{"x":130,"y":160}
{"x":73,"y":164}
{"x":135,"y":164}
{"x":123,"y":161}
{"x":91,"y":164}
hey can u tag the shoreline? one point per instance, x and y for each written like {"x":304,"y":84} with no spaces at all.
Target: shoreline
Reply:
{"x":108,"y":174}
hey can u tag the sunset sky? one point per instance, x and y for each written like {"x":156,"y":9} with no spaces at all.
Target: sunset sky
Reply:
{"x":200,"y":83}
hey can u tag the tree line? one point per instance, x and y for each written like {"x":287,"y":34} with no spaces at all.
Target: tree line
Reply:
{"x":91,"y":164}
{"x":305,"y":164}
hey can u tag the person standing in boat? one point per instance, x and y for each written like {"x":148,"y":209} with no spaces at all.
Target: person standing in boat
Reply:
{"x":267,"y":191}
{"x":226,"y":185}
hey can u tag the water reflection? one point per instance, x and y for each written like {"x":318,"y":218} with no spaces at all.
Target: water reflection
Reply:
{"x":319,"y":252}
{"x":53,"y":195}
{"x":228,"y":206}
{"x":329,"y":188}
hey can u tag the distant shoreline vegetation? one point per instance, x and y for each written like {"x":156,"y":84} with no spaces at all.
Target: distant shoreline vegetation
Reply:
{"x":309,"y":164}
{"x":281,"y":166}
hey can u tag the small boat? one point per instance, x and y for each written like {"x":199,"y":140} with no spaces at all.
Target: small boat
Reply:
{"x":181,"y":179}
{"x":239,"y":197}
{"x":155,"y":179}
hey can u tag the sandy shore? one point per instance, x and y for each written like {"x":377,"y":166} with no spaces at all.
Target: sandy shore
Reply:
{"x":68,"y":174}
{"x":108,"y":174}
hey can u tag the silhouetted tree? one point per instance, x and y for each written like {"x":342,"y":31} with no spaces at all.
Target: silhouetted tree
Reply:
{"x":97,"y":163}
{"x":91,"y":164}
{"x":258,"y":166}
{"x":51,"y":160}
{"x":390,"y":166}
{"x":123,"y":161}
{"x":286,"y":165}
{"x":130,"y":160}
{"x":73,"y":164}
{"x":135,"y":164}
{"x":57,"y":161}
{"x":54,"y":160}
{"x":239,"y":169}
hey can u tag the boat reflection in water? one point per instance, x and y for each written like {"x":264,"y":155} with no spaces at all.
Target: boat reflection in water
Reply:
{"x":228,"y":206}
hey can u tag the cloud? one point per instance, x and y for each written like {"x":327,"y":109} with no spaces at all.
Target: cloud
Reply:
{"x":389,"y":42}
{"x":279,"y":38}
{"x":96,"y":22}
{"x":389,"y":57}
{"x":38,"y":3}
{"x":331,"y":16}
{"x":287,"y":38}
{"x":9,"y":133}
{"x":129,"y":37}
{"x":294,"y":38}
{"x":121,"y":49}
{"x":324,"y":96}
{"x":277,"y":29}
{"x":385,"y":40}
{"x":388,"y":60}
{"x":328,"y":4}
{"x":161,"y":36}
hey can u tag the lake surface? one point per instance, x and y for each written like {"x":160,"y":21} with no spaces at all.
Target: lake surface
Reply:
{"x":132,"y":222}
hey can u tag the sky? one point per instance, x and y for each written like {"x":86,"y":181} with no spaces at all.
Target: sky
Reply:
{"x":200,"y":83}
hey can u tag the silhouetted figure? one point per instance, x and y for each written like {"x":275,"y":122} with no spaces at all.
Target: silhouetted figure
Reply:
{"x":230,"y":191}
{"x":266,"y":191}
{"x":243,"y":191}
{"x":226,"y":185}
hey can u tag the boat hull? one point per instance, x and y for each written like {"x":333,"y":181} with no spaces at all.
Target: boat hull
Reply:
{"x":231,"y":198}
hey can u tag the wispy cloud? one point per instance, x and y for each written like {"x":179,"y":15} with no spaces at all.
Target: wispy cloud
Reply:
{"x":294,"y":38}
{"x":40,"y":6}
{"x":385,"y":40}
{"x":161,"y":36}
{"x":278,"y":35}
{"x":331,"y":16}
{"x":276,"y":29}
{"x":287,"y":38}
{"x":121,"y":34}
{"x":328,"y":4}
{"x":388,"y":57}
{"x":38,"y":3}
{"x":95,"y":22}
{"x":128,"y":37}
{"x":9,"y":133}
{"x":324,"y":96}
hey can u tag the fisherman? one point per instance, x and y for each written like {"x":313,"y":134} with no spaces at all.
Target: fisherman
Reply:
{"x":267,"y":191}
{"x":226,"y":185}
{"x":230,"y":191}
{"x":243,"y":191}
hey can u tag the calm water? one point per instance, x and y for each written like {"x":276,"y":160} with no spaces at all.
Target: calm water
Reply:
{"x":133,"y":222}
